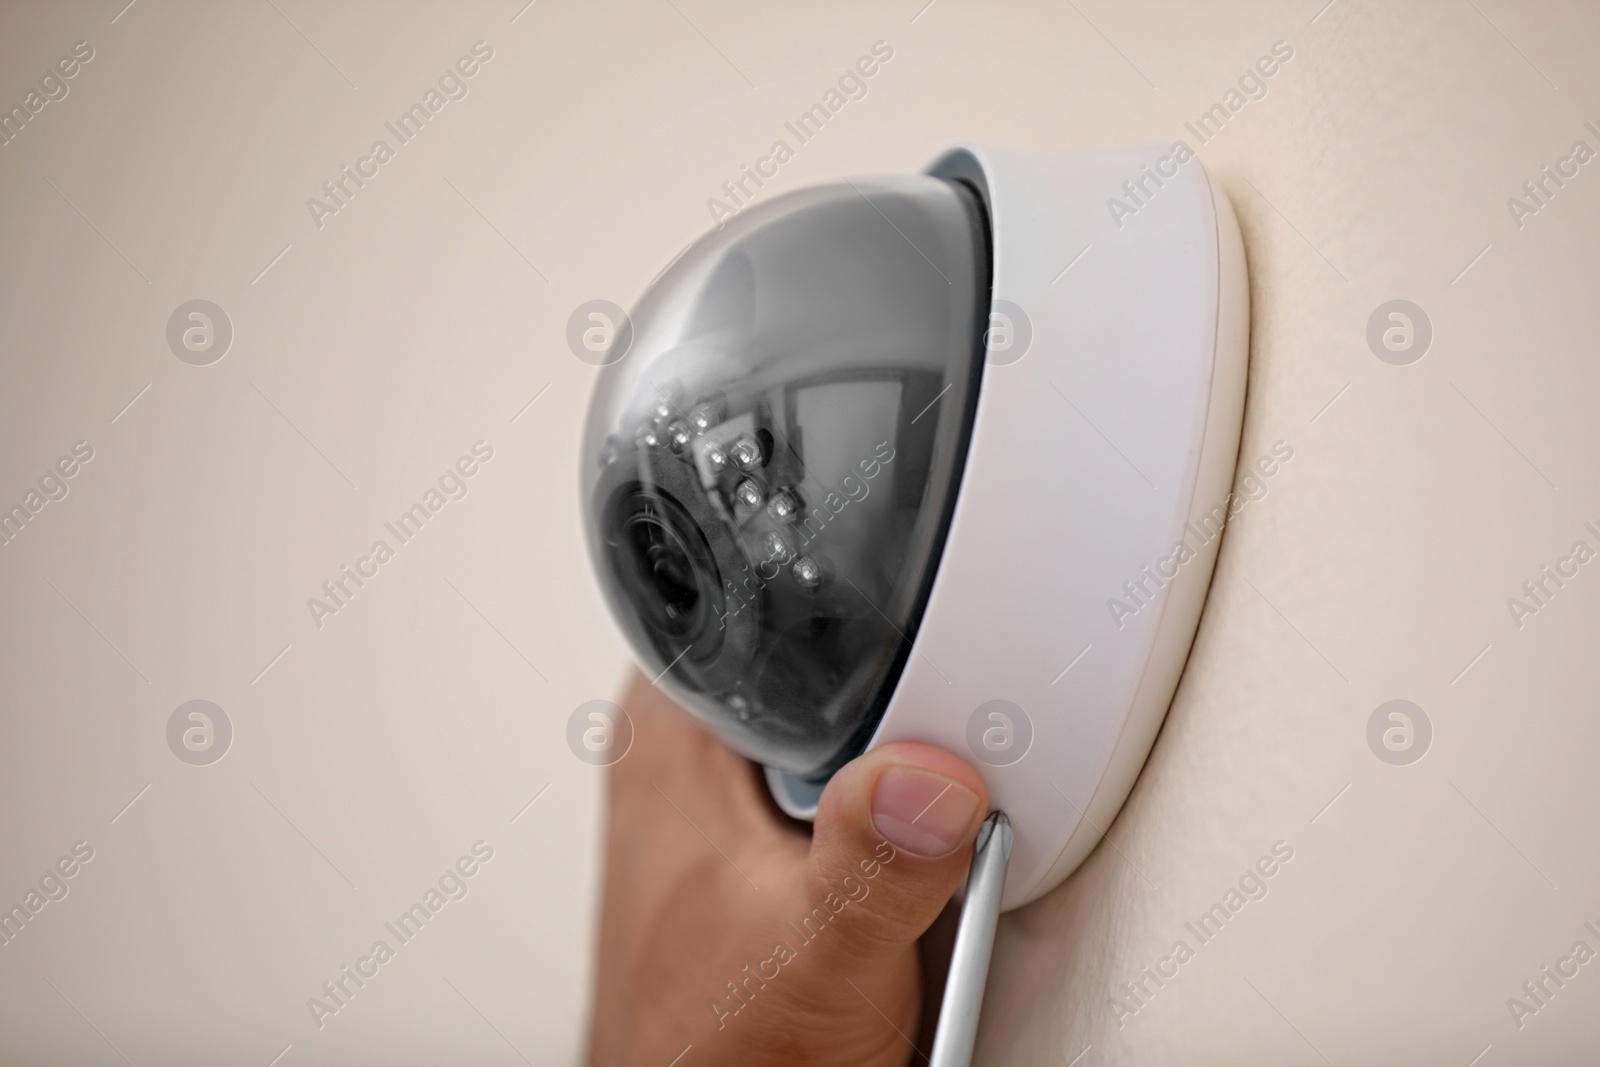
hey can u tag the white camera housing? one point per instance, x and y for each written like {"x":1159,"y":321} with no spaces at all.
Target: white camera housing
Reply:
{"x":1087,"y":516}
{"x":1137,"y":366}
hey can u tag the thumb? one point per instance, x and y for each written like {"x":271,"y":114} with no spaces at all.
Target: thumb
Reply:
{"x":893,"y":838}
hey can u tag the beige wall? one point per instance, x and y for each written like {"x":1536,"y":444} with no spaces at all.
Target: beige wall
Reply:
{"x":425,"y":314}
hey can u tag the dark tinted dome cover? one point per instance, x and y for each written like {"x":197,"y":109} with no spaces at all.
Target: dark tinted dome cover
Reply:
{"x":769,"y":471}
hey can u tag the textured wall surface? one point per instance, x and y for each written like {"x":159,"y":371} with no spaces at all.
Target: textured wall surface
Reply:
{"x":380,"y":333}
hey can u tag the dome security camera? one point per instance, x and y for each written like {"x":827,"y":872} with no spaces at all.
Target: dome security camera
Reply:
{"x":939,"y":458}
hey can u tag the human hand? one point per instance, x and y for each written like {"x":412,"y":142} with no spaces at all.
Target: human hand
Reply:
{"x":729,"y":935}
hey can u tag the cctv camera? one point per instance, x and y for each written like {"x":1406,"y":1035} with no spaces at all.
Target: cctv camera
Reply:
{"x":930,"y":457}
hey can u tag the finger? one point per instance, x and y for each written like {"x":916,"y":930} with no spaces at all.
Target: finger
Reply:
{"x":894,"y":836}
{"x":678,"y":780}
{"x":673,"y":752}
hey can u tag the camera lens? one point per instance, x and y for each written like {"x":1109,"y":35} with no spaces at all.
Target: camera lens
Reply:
{"x":665,"y":565}
{"x":658,"y":551}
